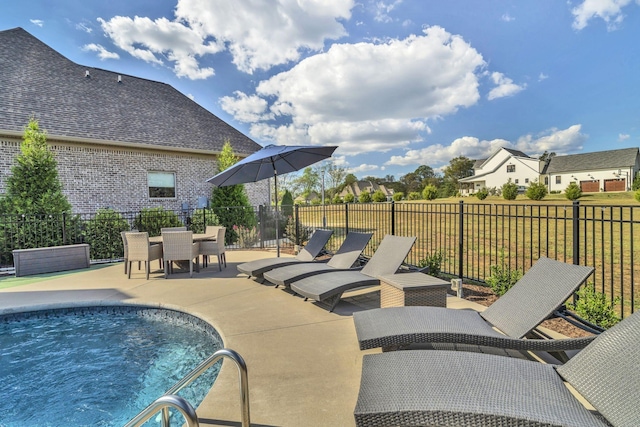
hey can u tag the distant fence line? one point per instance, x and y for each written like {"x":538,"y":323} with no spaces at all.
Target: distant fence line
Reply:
{"x":469,"y":236}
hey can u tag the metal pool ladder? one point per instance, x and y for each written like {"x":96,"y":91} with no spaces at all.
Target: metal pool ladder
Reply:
{"x":171,"y":400}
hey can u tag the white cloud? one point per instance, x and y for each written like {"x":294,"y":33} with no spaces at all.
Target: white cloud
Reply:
{"x":245,"y":108}
{"x":610,"y":11}
{"x":623,"y":137}
{"x":102,"y":52}
{"x":507,"y":18}
{"x":564,"y":141}
{"x":559,"y":141}
{"x":363,"y":168}
{"x":38,"y":22}
{"x":382,"y":10}
{"x":152,"y":40}
{"x":504,"y":86}
{"x":258,"y":35}
{"x":82,"y":26}
{"x":383,"y":95}
{"x":542,"y":76}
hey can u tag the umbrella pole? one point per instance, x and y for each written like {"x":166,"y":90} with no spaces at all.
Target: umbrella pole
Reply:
{"x":275,"y":185}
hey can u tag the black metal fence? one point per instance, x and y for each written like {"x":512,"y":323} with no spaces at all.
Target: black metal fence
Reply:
{"x":470,"y":237}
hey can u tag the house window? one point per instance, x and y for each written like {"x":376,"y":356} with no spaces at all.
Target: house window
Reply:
{"x":558,"y":179}
{"x":526,"y":180}
{"x":546,"y":180}
{"x":517,"y":181}
{"x":511,"y":168}
{"x":162,"y":184}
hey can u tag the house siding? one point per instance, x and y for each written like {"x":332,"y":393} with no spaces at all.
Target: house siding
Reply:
{"x":95,"y":177}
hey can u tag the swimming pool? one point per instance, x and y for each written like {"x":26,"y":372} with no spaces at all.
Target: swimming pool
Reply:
{"x":98,"y":366}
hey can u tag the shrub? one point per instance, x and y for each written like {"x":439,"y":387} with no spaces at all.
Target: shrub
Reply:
{"x":379,"y":196}
{"x":102,"y":233}
{"x":501,"y":276}
{"x":430,"y":192}
{"x":292,"y":234}
{"x":536,"y":191}
{"x":317,"y":201}
{"x":573,"y":192}
{"x":509,"y":190}
{"x":337,"y":199}
{"x":152,"y":220}
{"x":414,"y":195}
{"x":635,"y":186}
{"x":398,"y":196}
{"x":595,"y":307}
{"x":349,"y":198}
{"x":482,"y":193}
{"x":434,"y":262}
{"x":636,"y":195}
{"x":364,"y":197}
{"x":247,"y":236}
{"x":201,"y":218}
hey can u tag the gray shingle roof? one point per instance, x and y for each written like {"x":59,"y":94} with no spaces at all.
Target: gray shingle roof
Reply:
{"x":516,"y":153}
{"x":612,"y":159}
{"x":35,"y":80}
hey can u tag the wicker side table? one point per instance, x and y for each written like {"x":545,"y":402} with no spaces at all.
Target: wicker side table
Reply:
{"x":404,"y":289}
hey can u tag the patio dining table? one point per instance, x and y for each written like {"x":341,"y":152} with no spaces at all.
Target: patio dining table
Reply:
{"x":197,"y":237}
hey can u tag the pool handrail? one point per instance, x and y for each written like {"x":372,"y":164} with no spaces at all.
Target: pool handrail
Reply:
{"x":163,"y":403}
{"x":188,"y":379}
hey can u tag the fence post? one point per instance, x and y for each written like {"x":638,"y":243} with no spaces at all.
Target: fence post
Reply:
{"x":346,"y":218}
{"x":261,"y":222}
{"x":461,"y":240}
{"x":393,"y":218}
{"x":64,"y":228}
{"x":297,"y":212}
{"x":576,"y":232}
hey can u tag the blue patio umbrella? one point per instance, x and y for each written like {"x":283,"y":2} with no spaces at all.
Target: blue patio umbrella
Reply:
{"x":271,"y":161}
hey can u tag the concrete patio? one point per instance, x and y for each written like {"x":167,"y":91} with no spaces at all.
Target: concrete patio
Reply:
{"x":304,"y":362}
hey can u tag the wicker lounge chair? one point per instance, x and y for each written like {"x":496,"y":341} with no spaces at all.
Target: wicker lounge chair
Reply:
{"x":179,"y":246}
{"x":209,"y":247}
{"x":544,"y":288}
{"x":343,"y":259}
{"x":447,"y":388}
{"x":329,"y":287}
{"x":313,"y":248}
{"x":139,"y":249}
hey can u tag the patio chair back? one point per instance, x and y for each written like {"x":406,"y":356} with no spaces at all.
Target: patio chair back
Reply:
{"x":177,"y":245}
{"x":171,"y":229}
{"x":389,"y":255}
{"x":139,"y":249}
{"x":312,"y":249}
{"x":217,"y":248}
{"x":350,"y":250}
{"x":543,"y":288}
{"x":213,"y":229}
{"x":607,"y":373}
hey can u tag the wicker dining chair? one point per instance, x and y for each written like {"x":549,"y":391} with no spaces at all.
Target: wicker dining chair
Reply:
{"x":179,"y":246}
{"x":210,"y":247}
{"x":139,"y":249}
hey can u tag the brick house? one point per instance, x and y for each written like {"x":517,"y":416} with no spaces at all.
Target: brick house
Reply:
{"x":120,"y":141}
{"x":370,"y":187}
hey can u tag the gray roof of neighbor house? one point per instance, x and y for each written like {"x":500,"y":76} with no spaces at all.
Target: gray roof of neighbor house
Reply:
{"x":612,"y":159}
{"x":516,"y":153}
{"x":103,"y":106}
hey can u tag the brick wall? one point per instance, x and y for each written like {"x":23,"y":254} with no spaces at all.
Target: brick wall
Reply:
{"x":96,"y":177}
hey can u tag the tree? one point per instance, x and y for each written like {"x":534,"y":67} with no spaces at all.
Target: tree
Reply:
{"x":287,"y":204}
{"x":546,"y":156}
{"x":536,"y":191}
{"x":308,"y":181}
{"x":336,"y":175}
{"x":364,"y":197}
{"x":412,"y":182}
{"x":231,"y":203}
{"x":459,"y":167}
{"x":33,"y":186}
{"x":572,"y":192}
{"x":350,"y":179}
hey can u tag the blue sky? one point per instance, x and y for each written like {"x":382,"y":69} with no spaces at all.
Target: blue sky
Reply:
{"x":395,"y":84}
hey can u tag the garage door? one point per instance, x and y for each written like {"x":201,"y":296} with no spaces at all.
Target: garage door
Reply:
{"x":614,"y":185}
{"x":590,"y":186}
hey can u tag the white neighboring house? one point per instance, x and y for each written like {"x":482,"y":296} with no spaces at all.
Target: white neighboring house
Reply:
{"x":504,"y":164}
{"x":612,"y":170}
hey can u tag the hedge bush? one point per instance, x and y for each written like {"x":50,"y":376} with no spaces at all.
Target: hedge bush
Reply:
{"x":102,"y":233}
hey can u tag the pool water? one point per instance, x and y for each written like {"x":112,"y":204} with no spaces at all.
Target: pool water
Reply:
{"x":98,"y":366}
